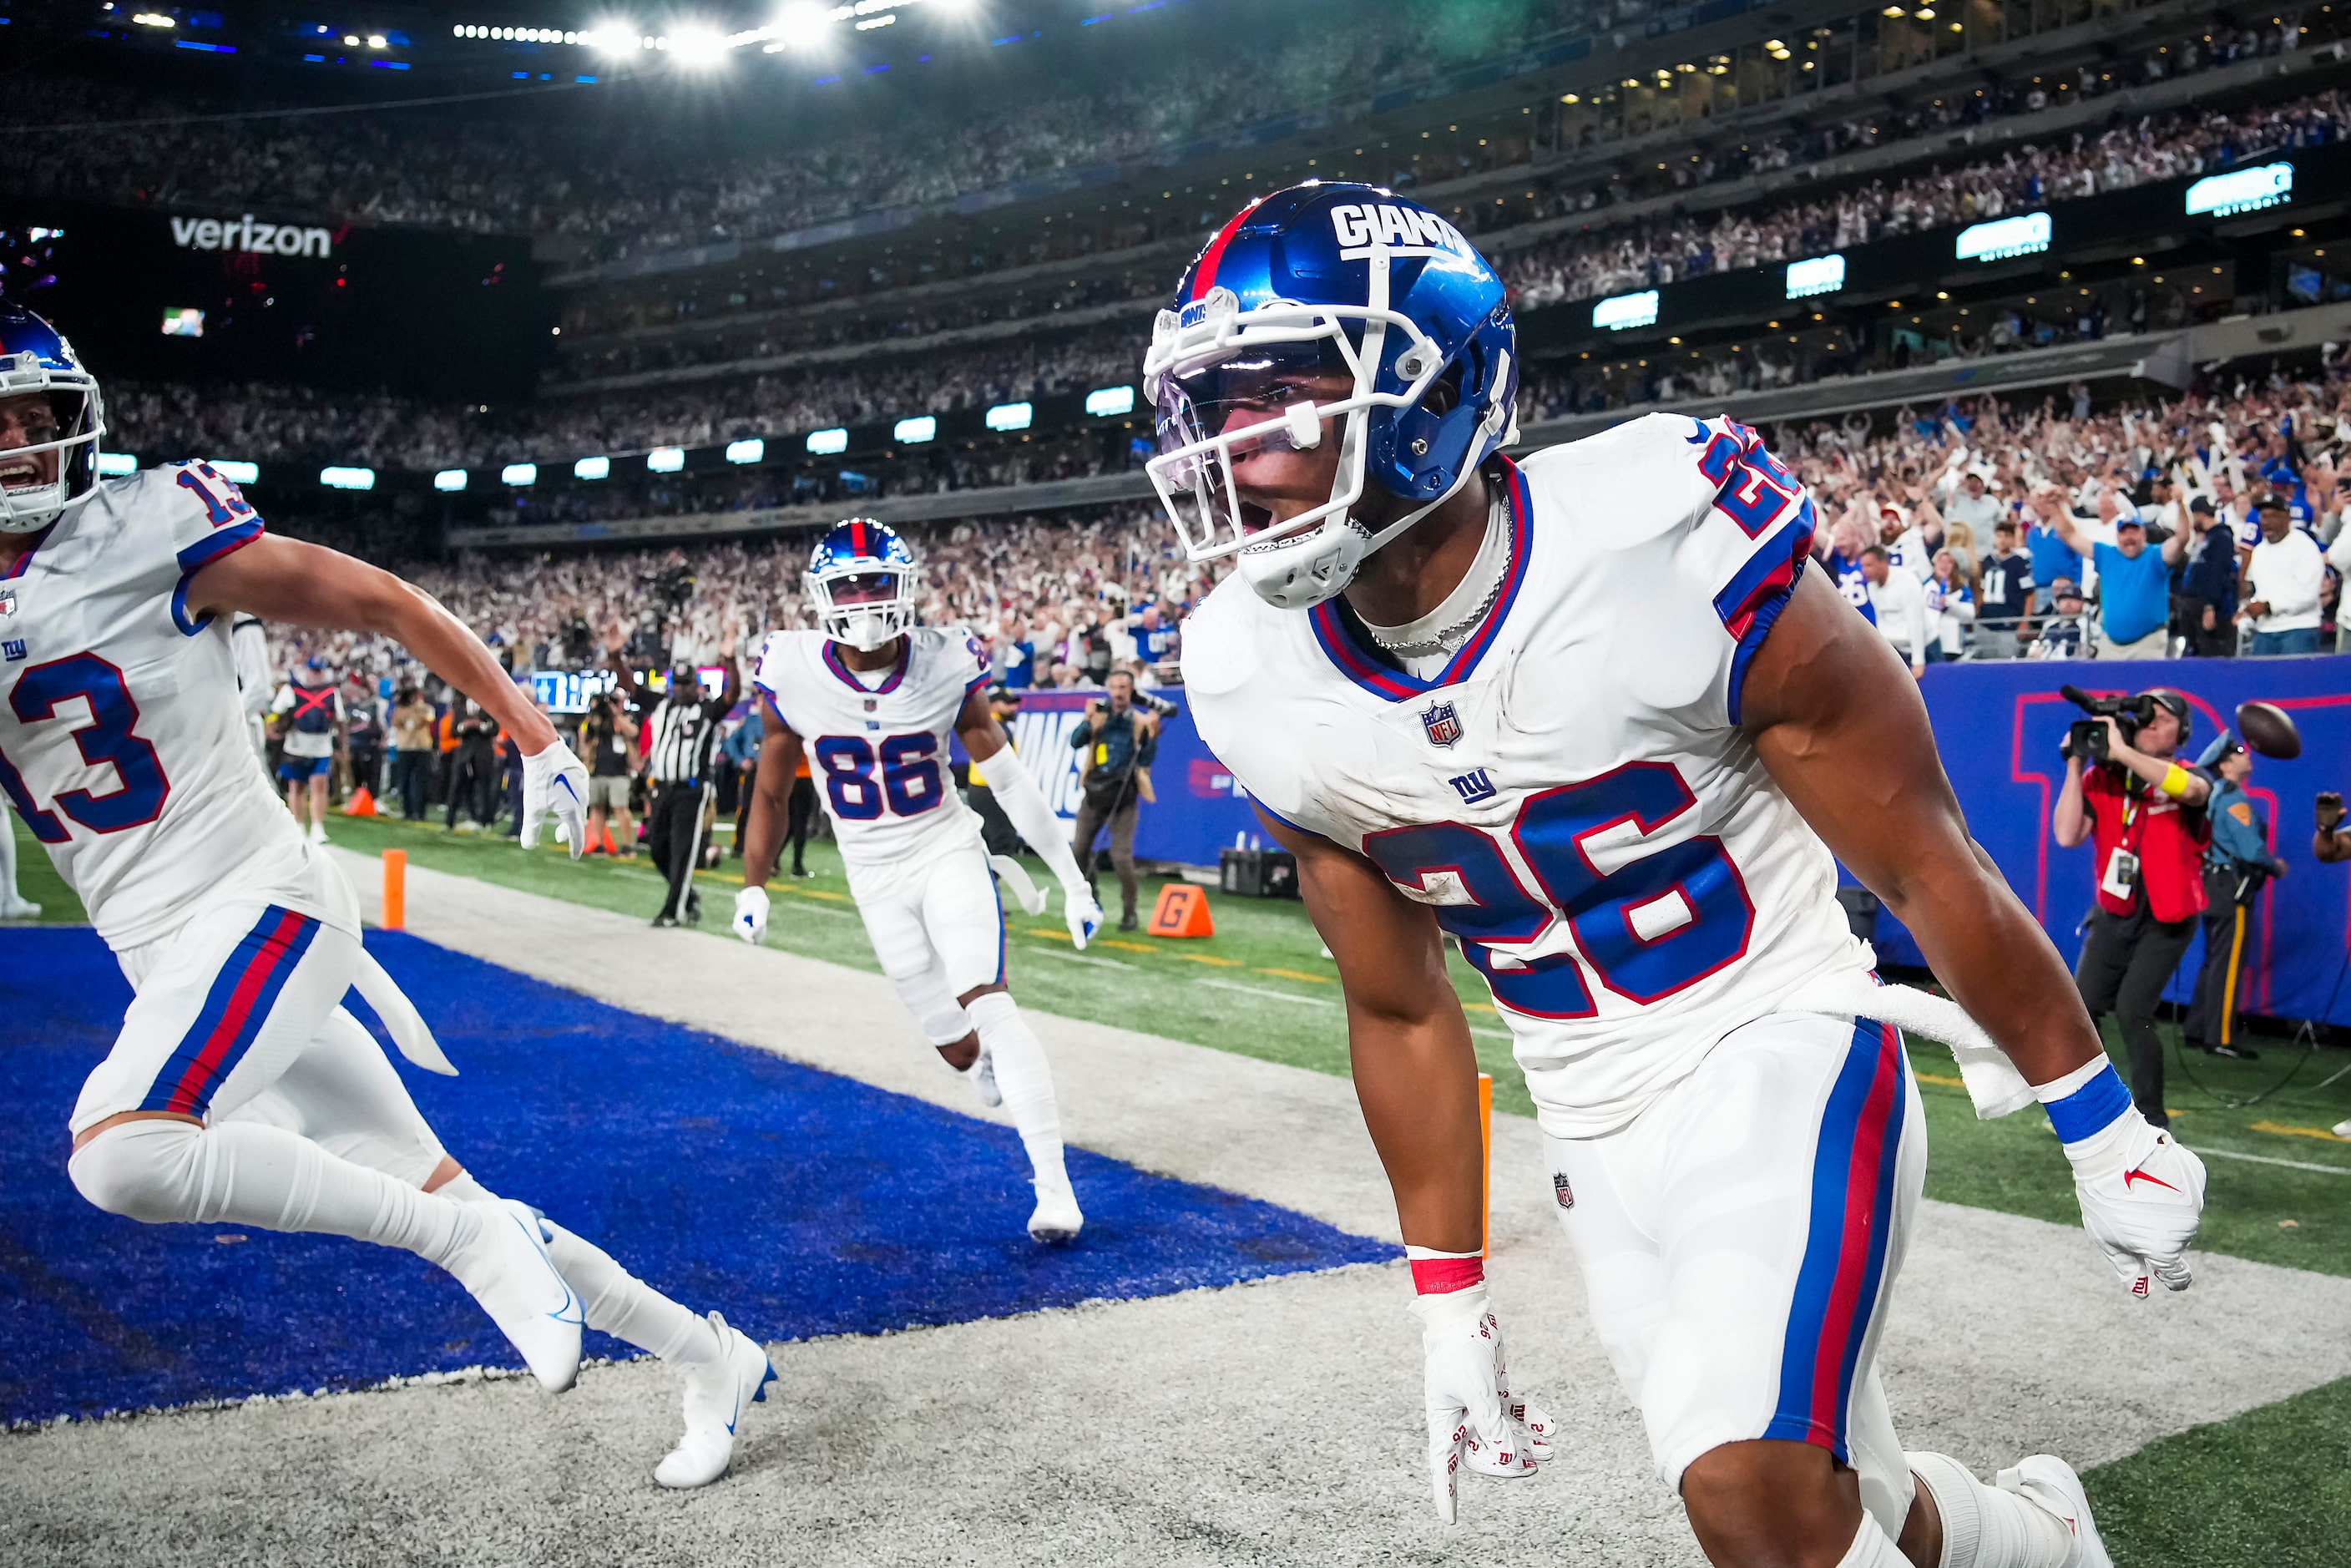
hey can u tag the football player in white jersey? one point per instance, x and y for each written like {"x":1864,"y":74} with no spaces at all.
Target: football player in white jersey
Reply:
{"x":1593,"y":718}
{"x":872,"y":699}
{"x":239,"y":1089}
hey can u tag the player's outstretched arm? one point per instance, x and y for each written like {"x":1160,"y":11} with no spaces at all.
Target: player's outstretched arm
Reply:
{"x":307,"y":585}
{"x":763,"y":827}
{"x":1416,"y":1078}
{"x":1840,"y":726}
{"x":1025,"y":807}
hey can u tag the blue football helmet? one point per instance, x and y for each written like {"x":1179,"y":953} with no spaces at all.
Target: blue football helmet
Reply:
{"x":862,"y":579}
{"x":36,"y":361}
{"x":1317,"y":281}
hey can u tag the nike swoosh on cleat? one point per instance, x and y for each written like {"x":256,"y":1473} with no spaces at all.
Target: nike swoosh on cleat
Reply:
{"x":2140,"y":1175}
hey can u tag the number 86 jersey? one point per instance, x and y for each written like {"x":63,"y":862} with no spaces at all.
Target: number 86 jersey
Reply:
{"x":122,"y":745}
{"x":1570,"y":793}
{"x":877,"y":742}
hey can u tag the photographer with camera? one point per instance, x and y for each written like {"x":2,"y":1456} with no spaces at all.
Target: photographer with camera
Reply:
{"x":2237,"y":867}
{"x":2146,"y":815}
{"x":1120,"y":743}
{"x":608,"y":744}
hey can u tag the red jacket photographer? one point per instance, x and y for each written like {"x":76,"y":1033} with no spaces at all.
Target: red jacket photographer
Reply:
{"x":2144,"y":814}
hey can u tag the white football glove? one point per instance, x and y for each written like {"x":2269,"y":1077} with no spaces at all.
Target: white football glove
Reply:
{"x":555,"y":785}
{"x":1083,"y":913}
{"x":1473,"y":1416}
{"x":2141,"y":1194}
{"x":750,"y":922}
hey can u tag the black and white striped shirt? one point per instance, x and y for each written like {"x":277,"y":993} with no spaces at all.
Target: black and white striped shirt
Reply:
{"x":686,"y":736}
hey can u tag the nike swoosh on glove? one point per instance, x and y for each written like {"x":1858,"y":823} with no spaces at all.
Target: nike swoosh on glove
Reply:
{"x":555,"y":785}
{"x":1474,"y":1418}
{"x":750,"y":922}
{"x":2141,"y":1196}
{"x":1083,"y":913}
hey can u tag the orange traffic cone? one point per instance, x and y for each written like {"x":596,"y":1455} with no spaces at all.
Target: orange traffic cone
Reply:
{"x":1182,"y":911}
{"x":360,"y":804}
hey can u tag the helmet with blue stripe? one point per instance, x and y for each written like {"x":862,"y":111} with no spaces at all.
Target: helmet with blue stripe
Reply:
{"x":1332,"y":284}
{"x":55,"y":402}
{"x":862,"y":579}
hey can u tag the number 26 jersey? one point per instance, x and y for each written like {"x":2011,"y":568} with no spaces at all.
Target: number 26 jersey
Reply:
{"x":1570,"y":793}
{"x":123,"y":744}
{"x":877,"y":743}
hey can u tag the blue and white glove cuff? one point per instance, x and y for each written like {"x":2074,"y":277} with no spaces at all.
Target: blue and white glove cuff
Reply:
{"x":2086,"y":1102}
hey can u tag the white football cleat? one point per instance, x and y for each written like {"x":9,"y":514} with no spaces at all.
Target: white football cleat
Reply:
{"x":982,"y":1076}
{"x":507,"y":1270}
{"x":19,"y":909}
{"x":2343,"y":1128}
{"x":717,"y":1396}
{"x":2050,"y":1481}
{"x":318,"y":832}
{"x":1056,"y":1218}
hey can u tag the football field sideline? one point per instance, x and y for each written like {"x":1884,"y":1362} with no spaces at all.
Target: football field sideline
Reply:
{"x":1274,"y":1421}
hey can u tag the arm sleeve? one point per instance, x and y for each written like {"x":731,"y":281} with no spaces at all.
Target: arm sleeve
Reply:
{"x":1024,"y":806}
{"x":206,"y":517}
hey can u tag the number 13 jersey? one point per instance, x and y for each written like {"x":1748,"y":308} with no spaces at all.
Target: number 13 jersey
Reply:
{"x":123,"y":742}
{"x":1571,"y":793}
{"x":877,"y":745}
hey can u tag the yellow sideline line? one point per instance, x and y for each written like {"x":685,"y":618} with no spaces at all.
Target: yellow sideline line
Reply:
{"x":2286,"y":1130}
{"x":1946,"y":1079}
{"x":1208,"y":959}
{"x":1298,"y":975}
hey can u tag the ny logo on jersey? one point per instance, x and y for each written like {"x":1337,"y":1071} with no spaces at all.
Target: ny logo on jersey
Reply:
{"x":13,"y":651}
{"x":1442,"y":724}
{"x":1473,"y":786}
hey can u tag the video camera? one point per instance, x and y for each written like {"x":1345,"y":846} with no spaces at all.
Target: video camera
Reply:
{"x":2086,"y":737}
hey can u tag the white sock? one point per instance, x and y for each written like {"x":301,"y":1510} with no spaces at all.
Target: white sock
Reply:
{"x":1984,"y":1527}
{"x":7,"y":856}
{"x":247,"y":1174}
{"x":1025,"y":1079}
{"x":1872,"y":1548}
{"x":617,"y":1302}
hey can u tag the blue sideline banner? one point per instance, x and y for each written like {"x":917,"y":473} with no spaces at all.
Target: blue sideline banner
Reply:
{"x":1999,"y":726}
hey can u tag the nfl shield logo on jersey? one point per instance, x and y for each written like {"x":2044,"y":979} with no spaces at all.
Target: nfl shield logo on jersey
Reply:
{"x":1442,"y":723}
{"x":7,"y":602}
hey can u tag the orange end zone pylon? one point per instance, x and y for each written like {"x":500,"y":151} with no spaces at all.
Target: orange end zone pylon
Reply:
{"x":1182,"y":911}
{"x":395,"y":890}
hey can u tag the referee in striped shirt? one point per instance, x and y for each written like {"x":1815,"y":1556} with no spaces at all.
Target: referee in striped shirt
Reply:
{"x":679,"y":766}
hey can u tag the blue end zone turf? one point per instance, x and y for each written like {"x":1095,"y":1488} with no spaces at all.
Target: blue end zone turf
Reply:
{"x":796,"y":1202}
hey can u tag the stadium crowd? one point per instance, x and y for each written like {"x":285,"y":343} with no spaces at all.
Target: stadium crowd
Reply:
{"x":1054,"y":594}
{"x":2152,"y":149}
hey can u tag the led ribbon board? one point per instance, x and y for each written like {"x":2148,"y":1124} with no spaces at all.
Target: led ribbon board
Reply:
{"x":1819,"y":275}
{"x":2001,"y":238}
{"x":2241,"y":191}
{"x":1626,"y":311}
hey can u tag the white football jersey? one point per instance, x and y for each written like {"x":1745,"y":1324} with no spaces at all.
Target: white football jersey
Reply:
{"x":877,"y":744}
{"x":1572,"y":793}
{"x":123,"y":741}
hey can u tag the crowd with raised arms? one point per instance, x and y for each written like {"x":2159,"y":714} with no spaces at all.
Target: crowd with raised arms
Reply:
{"x":1052,"y":594}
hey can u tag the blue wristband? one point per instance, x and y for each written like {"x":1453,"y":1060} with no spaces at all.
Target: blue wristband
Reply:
{"x":2091,"y":1109}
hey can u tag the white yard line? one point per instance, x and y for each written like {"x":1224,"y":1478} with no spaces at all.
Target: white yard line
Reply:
{"x":2270,"y":1160}
{"x":1261,"y":991}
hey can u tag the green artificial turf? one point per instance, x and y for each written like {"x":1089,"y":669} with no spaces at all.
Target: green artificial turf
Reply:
{"x":2269,"y":1488}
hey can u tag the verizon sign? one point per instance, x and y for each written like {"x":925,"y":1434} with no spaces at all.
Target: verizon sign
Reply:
{"x":242,"y":234}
